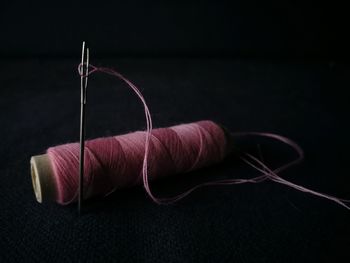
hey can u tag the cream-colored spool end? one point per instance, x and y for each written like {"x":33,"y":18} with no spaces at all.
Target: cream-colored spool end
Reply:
{"x":42,"y":178}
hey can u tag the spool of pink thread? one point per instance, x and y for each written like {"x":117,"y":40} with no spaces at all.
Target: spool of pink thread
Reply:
{"x":117,"y":162}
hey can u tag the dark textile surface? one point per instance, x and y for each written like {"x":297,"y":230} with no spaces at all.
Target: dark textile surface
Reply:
{"x":253,"y":28}
{"x":265,"y":222}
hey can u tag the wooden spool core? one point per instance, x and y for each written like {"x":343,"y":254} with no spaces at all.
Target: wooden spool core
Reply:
{"x":42,"y":178}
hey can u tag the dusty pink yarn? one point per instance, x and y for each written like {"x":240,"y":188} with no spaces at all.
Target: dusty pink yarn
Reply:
{"x":116,"y":162}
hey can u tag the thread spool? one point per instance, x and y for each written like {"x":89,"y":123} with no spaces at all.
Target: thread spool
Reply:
{"x":45,"y":184}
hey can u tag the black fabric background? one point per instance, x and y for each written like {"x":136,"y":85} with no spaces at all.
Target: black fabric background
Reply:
{"x":247,"y":66}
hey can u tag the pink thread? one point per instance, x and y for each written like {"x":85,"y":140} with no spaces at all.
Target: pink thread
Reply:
{"x":116,"y":162}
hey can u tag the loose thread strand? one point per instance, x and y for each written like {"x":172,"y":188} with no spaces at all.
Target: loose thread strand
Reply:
{"x":249,"y":159}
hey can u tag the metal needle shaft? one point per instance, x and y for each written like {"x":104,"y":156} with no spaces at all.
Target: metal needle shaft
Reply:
{"x":84,"y":72}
